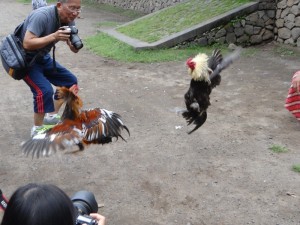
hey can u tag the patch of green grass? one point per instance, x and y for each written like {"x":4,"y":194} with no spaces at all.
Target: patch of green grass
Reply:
{"x":296,"y":168}
{"x":175,"y":19}
{"x":278,"y":149}
{"x":107,"y":46}
{"x":285,"y":50}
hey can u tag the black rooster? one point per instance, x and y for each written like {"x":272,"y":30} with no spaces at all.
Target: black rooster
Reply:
{"x":78,"y":128}
{"x":205,"y":73}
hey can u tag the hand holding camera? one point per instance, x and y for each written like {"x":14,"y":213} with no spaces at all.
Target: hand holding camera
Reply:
{"x":87,"y":208}
{"x":99,"y":218}
{"x":74,"y":38}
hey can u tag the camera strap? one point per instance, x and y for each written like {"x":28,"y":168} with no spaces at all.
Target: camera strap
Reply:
{"x":58,"y":24}
{"x":54,"y":62}
{"x":3,"y":201}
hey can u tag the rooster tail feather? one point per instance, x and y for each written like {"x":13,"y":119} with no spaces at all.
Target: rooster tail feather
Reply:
{"x":126,"y":128}
{"x":115,"y":124}
{"x":215,"y":59}
{"x":190,"y":116}
{"x":199,"y":121}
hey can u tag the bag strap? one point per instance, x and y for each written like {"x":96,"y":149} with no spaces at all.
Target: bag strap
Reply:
{"x":17,"y":33}
{"x":18,"y":29}
{"x":34,"y":58}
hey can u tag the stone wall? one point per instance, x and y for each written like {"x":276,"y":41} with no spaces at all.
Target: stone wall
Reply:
{"x":288,"y":22}
{"x":145,"y":6}
{"x":252,"y":29}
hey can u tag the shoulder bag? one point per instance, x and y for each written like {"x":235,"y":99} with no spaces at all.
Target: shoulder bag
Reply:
{"x":13,"y":55}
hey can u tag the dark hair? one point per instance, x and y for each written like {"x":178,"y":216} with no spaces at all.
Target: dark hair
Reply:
{"x":39,"y":204}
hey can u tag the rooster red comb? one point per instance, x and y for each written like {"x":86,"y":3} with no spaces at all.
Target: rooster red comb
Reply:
{"x":190,"y":63}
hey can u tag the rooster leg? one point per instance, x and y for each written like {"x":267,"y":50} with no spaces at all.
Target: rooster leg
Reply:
{"x":79,"y":148}
{"x":80,"y":145}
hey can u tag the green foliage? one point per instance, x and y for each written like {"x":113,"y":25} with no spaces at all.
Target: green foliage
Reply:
{"x":175,"y":19}
{"x":237,"y":20}
{"x":296,"y":168}
{"x":278,"y":149}
{"x":284,"y":51}
{"x":107,"y":46}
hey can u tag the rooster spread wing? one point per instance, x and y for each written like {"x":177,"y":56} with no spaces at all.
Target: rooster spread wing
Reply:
{"x":101,"y":125}
{"x":94,"y":126}
{"x":78,"y":128}
{"x":62,"y":136}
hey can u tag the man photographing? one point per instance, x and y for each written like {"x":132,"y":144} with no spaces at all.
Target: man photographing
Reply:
{"x":42,"y":29}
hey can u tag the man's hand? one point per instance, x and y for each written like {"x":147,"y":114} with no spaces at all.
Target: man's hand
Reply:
{"x":73,"y":49}
{"x":62,"y":34}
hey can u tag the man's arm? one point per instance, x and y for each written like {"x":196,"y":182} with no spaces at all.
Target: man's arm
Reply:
{"x":32,"y":42}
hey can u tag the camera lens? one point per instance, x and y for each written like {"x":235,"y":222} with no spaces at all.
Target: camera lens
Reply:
{"x":85,"y":202}
{"x":75,"y":39}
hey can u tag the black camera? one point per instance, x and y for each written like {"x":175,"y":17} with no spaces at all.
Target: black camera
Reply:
{"x":74,"y":38}
{"x":85,"y":203}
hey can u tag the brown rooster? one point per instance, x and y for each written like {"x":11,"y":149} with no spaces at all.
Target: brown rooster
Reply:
{"x":77,"y":128}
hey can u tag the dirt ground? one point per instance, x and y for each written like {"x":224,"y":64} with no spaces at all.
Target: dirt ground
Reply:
{"x":223,"y":174}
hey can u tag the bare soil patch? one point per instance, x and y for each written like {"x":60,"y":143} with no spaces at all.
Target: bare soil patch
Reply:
{"x":224,"y":173}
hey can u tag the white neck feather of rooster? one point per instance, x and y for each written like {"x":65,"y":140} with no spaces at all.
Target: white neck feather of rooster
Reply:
{"x":201,"y":71}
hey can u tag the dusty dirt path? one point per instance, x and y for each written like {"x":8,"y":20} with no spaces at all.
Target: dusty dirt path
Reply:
{"x":222,"y":174}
